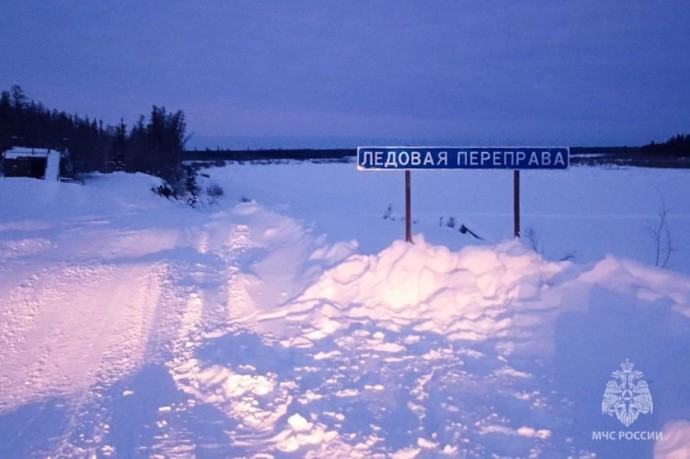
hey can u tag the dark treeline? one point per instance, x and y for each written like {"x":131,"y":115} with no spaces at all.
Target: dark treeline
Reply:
{"x":153,"y":146}
{"x":270,"y":154}
{"x":674,"y":153}
{"x":678,"y":146}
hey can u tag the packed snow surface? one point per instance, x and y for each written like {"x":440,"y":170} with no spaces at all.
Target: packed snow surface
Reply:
{"x":285,"y":319}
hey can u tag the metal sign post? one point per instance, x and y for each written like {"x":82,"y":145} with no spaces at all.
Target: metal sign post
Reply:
{"x":516,"y":203}
{"x":515,"y":158}
{"x":408,"y":208}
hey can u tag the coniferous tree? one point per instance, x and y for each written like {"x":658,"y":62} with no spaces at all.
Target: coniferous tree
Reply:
{"x":137,"y":145}
{"x":166,"y":142}
{"x":119,"y":147}
{"x":18,"y":97}
{"x":6,"y":121}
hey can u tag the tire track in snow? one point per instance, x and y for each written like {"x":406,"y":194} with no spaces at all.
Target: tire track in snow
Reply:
{"x":118,"y":345}
{"x":204,"y":288}
{"x":87,"y":326}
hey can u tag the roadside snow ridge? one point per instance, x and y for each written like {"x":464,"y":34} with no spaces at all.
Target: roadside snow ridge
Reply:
{"x":472,"y":294}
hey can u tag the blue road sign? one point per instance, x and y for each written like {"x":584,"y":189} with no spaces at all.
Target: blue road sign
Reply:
{"x":406,"y":158}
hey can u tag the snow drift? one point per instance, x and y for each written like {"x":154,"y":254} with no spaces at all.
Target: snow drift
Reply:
{"x":473,"y":294}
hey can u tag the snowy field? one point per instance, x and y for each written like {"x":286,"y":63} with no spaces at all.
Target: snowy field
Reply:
{"x":287,"y":319}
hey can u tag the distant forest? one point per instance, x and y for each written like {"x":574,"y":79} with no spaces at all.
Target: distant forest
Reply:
{"x":154,"y":146}
{"x":157,"y":145}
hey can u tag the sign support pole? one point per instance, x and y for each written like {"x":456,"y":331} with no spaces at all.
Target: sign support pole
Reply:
{"x":516,"y":203}
{"x":408,"y":209}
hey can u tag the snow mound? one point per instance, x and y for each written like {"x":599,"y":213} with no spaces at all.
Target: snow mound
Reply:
{"x":31,"y":199}
{"x":472,"y":294}
{"x":641,"y":281}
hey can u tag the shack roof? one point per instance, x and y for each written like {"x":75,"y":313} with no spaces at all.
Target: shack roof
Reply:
{"x":23,"y":152}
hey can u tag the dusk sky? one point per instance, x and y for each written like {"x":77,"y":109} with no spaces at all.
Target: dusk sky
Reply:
{"x":345,"y":73}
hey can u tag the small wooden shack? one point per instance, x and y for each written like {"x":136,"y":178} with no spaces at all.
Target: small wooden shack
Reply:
{"x":41,"y":163}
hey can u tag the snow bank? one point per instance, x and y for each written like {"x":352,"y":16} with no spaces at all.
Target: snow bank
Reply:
{"x":506,"y":293}
{"x":472,"y":294}
{"x":641,"y":281}
{"x":26,"y":198}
